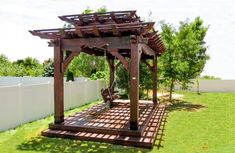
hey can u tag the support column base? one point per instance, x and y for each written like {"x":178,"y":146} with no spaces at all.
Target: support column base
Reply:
{"x":133,"y":125}
{"x":155,"y":101}
{"x":58,"y":119}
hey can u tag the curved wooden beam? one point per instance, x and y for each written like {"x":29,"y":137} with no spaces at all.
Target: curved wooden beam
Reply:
{"x":66,"y":61}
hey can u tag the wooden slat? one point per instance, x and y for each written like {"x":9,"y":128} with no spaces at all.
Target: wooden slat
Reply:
{"x":147,"y":50}
{"x":79,"y":32}
{"x":114,"y":42}
{"x":115,"y":31}
{"x":147,"y":28}
{"x":146,"y":140}
{"x":96,"y":31}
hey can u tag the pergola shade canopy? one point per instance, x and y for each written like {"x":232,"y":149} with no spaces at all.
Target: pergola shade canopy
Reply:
{"x":110,"y":29}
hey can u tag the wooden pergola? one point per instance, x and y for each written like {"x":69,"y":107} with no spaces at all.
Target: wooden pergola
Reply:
{"x":117,"y":35}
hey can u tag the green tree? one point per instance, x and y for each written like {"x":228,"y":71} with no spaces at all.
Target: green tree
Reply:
{"x":145,"y":83}
{"x":69,"y":76}
{"x":48,"y":68}
{"x":28,"y":67}
{"x":6,"y":68}
{"x":209,"y":77}
{"x":99,"y":75}
{"x":185,"y":55}
{"x":87,"y":11}
{"x":86,"y":65}
{"x":102,"y":9}
{"x":123,"y":81}
{"x":146,"y":80}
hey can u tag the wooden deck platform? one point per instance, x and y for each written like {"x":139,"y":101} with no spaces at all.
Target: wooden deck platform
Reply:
{"x":99,"y":123}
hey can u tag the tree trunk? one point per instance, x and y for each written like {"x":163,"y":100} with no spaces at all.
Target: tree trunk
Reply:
{"x":197,"y":82}
{"x":171,"y":89}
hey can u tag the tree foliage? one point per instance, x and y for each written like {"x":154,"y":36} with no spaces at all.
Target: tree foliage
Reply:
{"x":123,"y":80}
{"x":28,"y":67}
{"x":48,"y":67}
{"x":85,"y":65}
{"x":22,"y":67}
{"x":209,"y":77}
{"x":145,"y":83}
{"x":185,"y":55}
{"x":5,"y":66}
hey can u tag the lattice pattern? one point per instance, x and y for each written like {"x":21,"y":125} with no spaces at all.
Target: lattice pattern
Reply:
{"x":101,"y":18}
{"x":147,"y":139}
{"x":115,"y":118}
{"x":109,"y":24}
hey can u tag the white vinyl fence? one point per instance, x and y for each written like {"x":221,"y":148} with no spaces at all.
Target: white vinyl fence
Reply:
{"x":27,"y":99}
{"x":212,"y":86}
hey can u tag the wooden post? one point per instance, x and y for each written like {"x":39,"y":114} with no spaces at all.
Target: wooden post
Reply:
{"x":111,"y":73}
{"x":155,"y":80}
{"x":134,"y":91}
{"x":58,"y":84}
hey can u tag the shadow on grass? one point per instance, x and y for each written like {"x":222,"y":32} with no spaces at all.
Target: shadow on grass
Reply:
{"x":181,"y":105}
{"x":58,"y":145}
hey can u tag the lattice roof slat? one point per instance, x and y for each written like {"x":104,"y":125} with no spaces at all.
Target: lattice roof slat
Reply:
{"x":101,"y":18}
{"x":108,"y":24}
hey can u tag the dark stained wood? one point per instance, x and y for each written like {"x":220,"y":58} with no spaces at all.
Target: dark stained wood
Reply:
{"x":147,"y":50}
{"x":134,"y":80}
{"x":96,"y":31}
{"x":66,"y":62}
{"x":155,"y":80}
{"x":115,"y":31}
{"x":101,"y":18}
{"x":121,"y":58}
{"x":111,"y":73}
{"x":107,"y":24}
{"x":154,"y":35}
{"x":147,"y":28}
{"x":147,"y":138}
{"x":118,"y":35}
{"x":98,"y":119}
{"x":58,"y":84}
{"x":114,"y":43}
{"x":79,"y":32}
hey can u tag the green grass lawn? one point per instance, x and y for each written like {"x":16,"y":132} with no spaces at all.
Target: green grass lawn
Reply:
{"x":198,"y":123}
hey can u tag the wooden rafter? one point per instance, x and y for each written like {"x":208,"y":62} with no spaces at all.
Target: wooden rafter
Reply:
{"x":114,"y":42}
{"x":147,"y":50}
{"x":147,"y":28}
{"x":113,"y":16}
{"x":132,"y":14}
{"x":115,"y":31}
{"x":96,"y":31}
{"x":96,"y":18}
{"x":79,"y":32}
{"x":101,"y":18}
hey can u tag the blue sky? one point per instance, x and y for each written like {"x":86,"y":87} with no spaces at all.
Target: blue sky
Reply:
{"x":17,"y":17}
